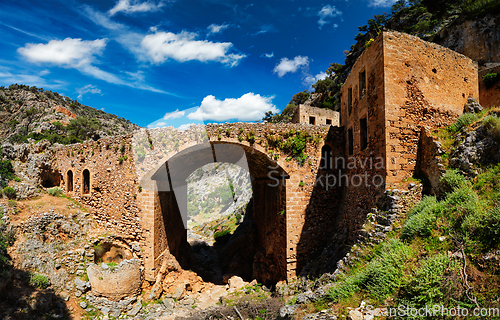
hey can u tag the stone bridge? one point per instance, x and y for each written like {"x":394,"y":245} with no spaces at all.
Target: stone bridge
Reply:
{"x":135,"y":187}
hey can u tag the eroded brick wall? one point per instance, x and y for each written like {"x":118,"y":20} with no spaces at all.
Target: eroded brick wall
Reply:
{"x":113,"y":190}
{"x":425,"y":85}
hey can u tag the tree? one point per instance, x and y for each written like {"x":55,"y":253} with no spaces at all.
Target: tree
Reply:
{"x":300,"y":98}
{"x":324,"y":85}
{"x":334,"y":68}
{"x":29,"y":115}
{"x":83,"y":128}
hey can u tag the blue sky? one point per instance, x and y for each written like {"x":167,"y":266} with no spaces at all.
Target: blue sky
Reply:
{"x":176,"y":62}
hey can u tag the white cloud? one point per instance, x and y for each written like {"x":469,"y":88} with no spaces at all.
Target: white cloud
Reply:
{"x":182,"y":47}
{"x":327,"y":13}
{"x":216,"y":28}
{"x":286,"y":65}
{"x":249,"y":107}
{"x":78,"y":54}
{"x":267,"y":55}
{"x":381,"y":3}
{"x":309,"y":80}
{"x":186,"y":126}
{"x":156,"y":125}
{"x":126,"y":7}
{"x":173,"y":115}
{"x":87,"y":89}
{"x":34,"y":79}
{"x":68,"y":52}
{"x":264,"y":29}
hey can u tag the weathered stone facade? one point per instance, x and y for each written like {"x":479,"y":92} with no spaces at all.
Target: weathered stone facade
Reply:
{"x":399,"y":84}
{"x":316,"y":116}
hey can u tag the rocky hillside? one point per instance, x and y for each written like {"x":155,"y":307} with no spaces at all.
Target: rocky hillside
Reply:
{"x":31,"y":112}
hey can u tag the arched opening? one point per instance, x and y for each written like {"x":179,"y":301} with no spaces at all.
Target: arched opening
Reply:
{"x":86,"y":182}
{"x":326,"y":158}
{"x":69,"y":181}
{"x":220,"y":220}
{"x":252,"y":245}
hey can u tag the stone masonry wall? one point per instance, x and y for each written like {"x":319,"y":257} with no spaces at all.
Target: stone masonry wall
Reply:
{"x":425,"y":85}
{"x":304,"y":113}
{"x":113,"y":184}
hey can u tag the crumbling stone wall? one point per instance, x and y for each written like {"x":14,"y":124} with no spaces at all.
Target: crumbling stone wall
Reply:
{"x":312,"y":115}
{"x":398,"y":85}
{"x":426,"y":84}
{"x":489,"y":96}
{"x":113,"y":183}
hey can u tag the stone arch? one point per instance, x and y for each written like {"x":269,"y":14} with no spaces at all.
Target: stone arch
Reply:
{"x":168,"y":189}
{"x":69,"y":181}
{"x":86,"y":182}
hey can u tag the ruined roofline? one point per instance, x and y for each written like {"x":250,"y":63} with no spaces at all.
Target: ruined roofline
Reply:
{"x":409,"y":36}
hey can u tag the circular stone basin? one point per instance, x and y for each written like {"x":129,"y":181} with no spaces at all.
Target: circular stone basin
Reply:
{"x":110,"y":252}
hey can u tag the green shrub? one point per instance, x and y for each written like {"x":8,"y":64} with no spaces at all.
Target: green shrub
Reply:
{"x":463,"y":121}
{"x":420,"y":224}
{"x":381,"y":276}
{"x":492,"y":124}
{"x":461,"y":197}
{"x":484,"y":226}
{"x":38,"y":280}
{"x":10,"y":192}
{"x":490,"y":79}
{"x":55,"y":192}
{"x":424,"y":204}
{"x":220,"y":234}
{"x":6,"y":172}
{"x":452,"y":180}
{"x":428,"y":284}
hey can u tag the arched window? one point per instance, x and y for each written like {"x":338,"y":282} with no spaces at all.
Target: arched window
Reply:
{"x":69,"y":181}
{"x":326,"y":158}
{"x":86,"y":181}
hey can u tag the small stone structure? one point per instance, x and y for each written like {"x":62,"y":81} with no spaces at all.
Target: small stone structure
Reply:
{"x":135,"y":185}
{"x":312,"y":115}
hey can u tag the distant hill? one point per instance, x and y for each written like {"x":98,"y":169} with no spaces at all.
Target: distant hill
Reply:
{"x":34,"y":113}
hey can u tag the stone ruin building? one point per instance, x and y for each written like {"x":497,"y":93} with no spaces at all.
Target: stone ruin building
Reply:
{"x":399,"y":85}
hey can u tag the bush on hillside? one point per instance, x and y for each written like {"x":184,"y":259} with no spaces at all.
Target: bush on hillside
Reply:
{"x":484,"y":225}
{"x":420,"y":224}
{"x":10,"y":192}
{"x":490,"y":79}
{"x":382,"y":276}
{"x":38,"y":280}
{"x":6,"y":172}
{"x":451,"y":180}
{"x":463,"y":121}
{"x":428,"y":285}
{"x":492,"y":124}
{"x":55,"y":191}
